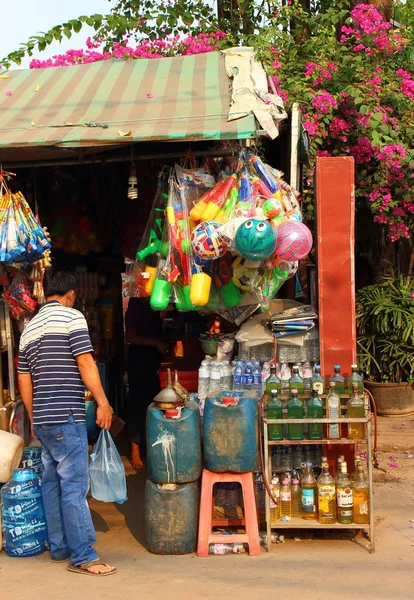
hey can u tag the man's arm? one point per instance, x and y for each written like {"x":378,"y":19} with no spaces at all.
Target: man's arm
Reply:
{"x":138,"y":340}
{"x":90,"y":377}
{"x":26,"y":391}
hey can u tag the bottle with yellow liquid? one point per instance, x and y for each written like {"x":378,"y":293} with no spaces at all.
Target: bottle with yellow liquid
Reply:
{"x":326,"y":497}
{"x":339,"y":462}
{"x":355,"y":409}
{"x":344,"y":496}
{"x":309,"y":494}
{"x":285,"y":498}
{"x":361,"y":498}
{"x":274,"y":502}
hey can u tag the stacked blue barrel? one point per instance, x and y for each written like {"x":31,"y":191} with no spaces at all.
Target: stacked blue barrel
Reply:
{"x":174,"y":469}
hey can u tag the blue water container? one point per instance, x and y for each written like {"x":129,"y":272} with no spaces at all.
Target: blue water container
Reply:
{"x":174,"y":443}
{"x":230,"y":432}
{"x":171,"y":517}
{"x":32,"y":459}
{"x":91,"y":426}
{"x":24,"y":523}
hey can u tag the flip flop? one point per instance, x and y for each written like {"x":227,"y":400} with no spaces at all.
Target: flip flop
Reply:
{"x":60,"y":560}
{"x":83,"y":569}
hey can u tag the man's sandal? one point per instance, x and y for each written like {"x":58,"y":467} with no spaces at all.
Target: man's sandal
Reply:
{"x":83,"y":569}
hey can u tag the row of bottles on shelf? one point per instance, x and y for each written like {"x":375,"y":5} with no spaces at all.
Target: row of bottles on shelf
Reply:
{"x":315,"y":408}
{"x":307,"y":381}
{"x":344,"y":499}
{"x":216,"y":376}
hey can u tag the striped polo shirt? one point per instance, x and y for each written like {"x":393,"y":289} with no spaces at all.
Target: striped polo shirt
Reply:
{"x":48,"y":347}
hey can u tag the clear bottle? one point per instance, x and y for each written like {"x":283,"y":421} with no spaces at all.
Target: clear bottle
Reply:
{"x":274,"y":502}
{"x":285,"y":498}
{"x":203,"y":380}
{"x":309,"y":493}
{"x":285,"y":375}
{"x":226,"y":377}
{"x":339,"y":462}
{"x":265,"y":374}
{"x":333,"y":411}
{"x":257,"y":378}
{"x":338,"y":379}
{"x":318,"y":381}
{"x":296,"y":497}
{"x":222,"y":549}
{"x":295,"y":411}
{"x":315,"y":411}
{"x":355,"y":409}
{"x":354,"y":475}
{"x":273,"y":382}
{"x":238,"y":376}
{"x":306,"y":374}
{"x":296,"y":381}
{"x":355,"y":378}
{"x":361,"y":498}
{"x":215,"y":377}
{"x":275,"y":411}
{"x":326,"y":497}
{"x":324,"y":461}
{"x":248,"y":377}
{"x":344,"y":496}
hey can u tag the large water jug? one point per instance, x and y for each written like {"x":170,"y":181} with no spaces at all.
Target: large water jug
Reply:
{"x":24,"y":523}
{"x":174,"y":443}
{"x":230,"y":432}
{"x":32,"y":459}
{"x":171,"y":517}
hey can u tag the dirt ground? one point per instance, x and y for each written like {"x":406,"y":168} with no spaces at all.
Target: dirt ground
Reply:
{"x":314,"y":569}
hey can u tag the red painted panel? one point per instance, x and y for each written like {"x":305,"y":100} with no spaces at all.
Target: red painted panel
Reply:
{"x":335,"y":206}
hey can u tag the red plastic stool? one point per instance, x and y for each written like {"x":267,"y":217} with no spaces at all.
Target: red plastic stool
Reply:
{"x":207,"y":522}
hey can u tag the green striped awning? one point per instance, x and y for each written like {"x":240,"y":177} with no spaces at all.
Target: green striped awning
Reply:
{"x":180,"y":98}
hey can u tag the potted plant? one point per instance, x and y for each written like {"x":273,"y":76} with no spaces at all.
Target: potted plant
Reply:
{"x":385,"y":342}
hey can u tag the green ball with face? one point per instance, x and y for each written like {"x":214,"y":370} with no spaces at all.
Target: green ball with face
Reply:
{"x":255,"y":239}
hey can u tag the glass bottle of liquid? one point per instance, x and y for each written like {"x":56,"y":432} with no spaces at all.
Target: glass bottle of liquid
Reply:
{"x":285,"y":375}
{"x":315,"y":411}
{"x":285,"y":498}
{"x":338,"y":380}
{"x":275,"y":411}
{"x":295,"y":411}
{"x":355,"y":409}
{"x":333,"y":411}
{"x":344,"y":497}
{"x":318,"y":381}
{"x":354,"y":475}
{"x":326,"y":497}
{"x":355,"y":378}
{"x":309,"y":492}
{"x":306,"y":374}
{"x":296,"y":382}
{"x":274,"y":501}
{"x":273,"y":382}
{"x":339,"y":462}
{"x":296,"y":497}
{"x":324,"y":462}
{"x":361,"y":498}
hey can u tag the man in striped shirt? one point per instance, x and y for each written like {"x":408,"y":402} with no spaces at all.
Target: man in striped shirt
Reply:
{"x":55,"y":365}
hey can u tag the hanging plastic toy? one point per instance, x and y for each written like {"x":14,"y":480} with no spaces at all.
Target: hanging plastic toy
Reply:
{"x":207,"y":242}
{"x":294,"y":240}
{"x":255,"y":239}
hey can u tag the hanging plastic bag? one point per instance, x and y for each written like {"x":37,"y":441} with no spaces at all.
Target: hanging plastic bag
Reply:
{"x":106,"y":471}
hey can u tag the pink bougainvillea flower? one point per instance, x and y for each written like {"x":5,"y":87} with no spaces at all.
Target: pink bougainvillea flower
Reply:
{"x":9,"y":93}
{"x":150,"y":96}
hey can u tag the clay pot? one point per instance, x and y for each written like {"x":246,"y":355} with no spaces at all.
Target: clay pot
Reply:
{"x":392,"y":399}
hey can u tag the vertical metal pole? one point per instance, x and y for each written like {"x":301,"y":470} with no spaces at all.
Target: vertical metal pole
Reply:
{"x":371,"y":492}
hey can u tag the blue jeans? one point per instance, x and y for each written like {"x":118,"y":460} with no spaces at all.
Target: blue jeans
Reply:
{"x":65,"y":485}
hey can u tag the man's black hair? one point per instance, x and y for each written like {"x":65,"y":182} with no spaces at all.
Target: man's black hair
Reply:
{"x":58,"y":283}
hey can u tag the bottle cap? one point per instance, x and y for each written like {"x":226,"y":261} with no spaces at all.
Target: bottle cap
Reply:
{"x":294,"y":391}
{"x":354,"y":366}
{"x":295,"y":481}
{"x":171,"y":413}
{"x":337,"y":366}
{"x":308,"y":464}
{"x":286,"y":481}
{"x":228,"y":400}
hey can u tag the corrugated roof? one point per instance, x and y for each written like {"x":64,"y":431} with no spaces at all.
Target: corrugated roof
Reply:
{"x":180,"y":98}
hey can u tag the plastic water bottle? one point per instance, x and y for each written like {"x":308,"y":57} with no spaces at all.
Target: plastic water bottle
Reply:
{"x":306,"y":374}
{"x":265,"y":374}
{"x":226,"y":377}
{"x":203,"y":380}
{"x":248,"y":376}
{"x":238,"y":376}
{"x":215,"y":377}
{"x":222,"y":549}
{"x":285,"y":375}
{"x":257,"y":378}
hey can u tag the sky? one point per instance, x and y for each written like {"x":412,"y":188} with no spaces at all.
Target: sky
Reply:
{"x":22,"y":18}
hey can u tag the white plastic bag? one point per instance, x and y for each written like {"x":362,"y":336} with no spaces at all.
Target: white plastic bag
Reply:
{"x":106,"y":471}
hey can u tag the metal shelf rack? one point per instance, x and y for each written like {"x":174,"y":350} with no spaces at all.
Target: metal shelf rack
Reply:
{"x":297,"y":523}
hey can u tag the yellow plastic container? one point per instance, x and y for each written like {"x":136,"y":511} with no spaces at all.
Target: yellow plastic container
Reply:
{"x":200,"y":289}
{"x":149,"y":281}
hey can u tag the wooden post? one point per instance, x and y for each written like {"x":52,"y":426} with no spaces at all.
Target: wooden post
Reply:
{"x":335,"y":210}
